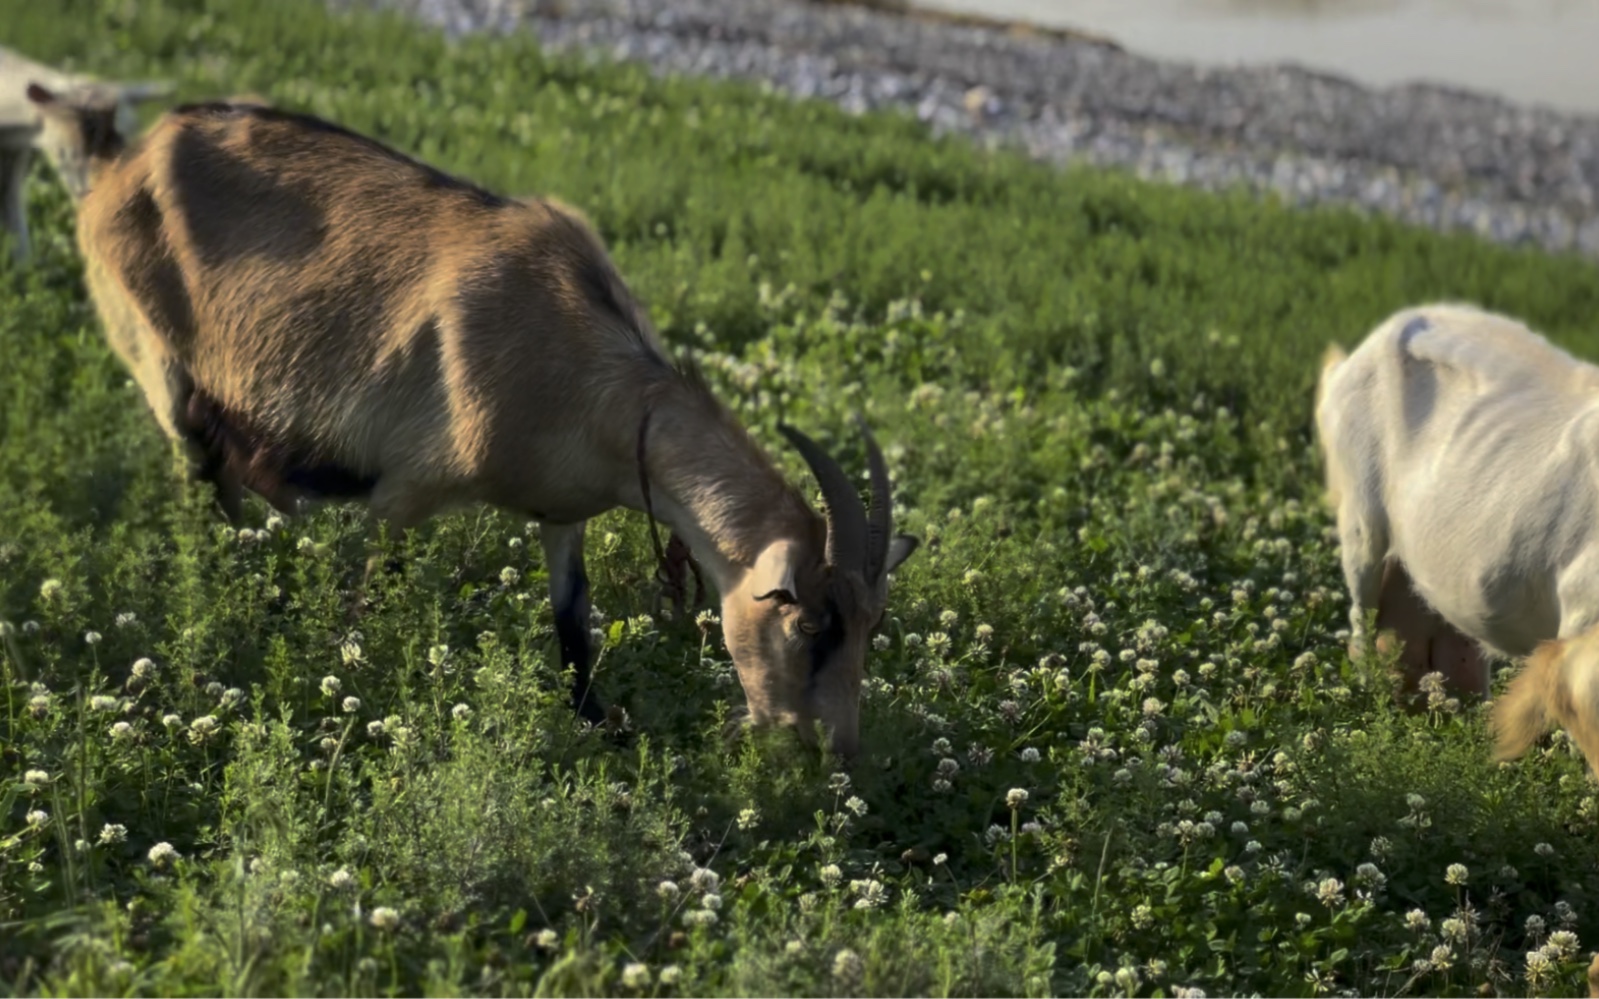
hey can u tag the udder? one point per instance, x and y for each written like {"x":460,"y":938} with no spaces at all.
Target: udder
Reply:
{"x":1428,"y":643}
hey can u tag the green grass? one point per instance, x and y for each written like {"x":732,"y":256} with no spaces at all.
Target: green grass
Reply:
{"x":1095,"y":397}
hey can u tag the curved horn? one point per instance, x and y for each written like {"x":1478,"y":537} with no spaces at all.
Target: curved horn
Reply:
{"x":880,"y":519}
{"x":846,"y":518}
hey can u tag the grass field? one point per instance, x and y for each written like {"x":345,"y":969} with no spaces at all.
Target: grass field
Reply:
{"x":1094,"y":394}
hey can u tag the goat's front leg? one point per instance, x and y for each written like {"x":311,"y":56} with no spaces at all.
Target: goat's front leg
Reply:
{"x":569,"y":596}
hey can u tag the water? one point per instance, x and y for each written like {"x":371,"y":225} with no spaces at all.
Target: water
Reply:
{"x":1531,"y":51}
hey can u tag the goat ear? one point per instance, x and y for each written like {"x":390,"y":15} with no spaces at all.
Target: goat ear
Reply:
{"x":901,"y":548}
{"x":772,"y":577}
{"x":40,"y":96}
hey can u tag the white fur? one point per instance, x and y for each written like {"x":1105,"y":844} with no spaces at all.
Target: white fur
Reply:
{"x":1467,"y":446}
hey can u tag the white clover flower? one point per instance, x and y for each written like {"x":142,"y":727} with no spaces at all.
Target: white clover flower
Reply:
{"x":1015,"y":798}
{"x":38,"y":818}
{"x":351,"y":705}
{"x":1233,"y":873}
{"x":461,"y":712}
{"x":509,"y":575}
{"x":748,"y":818}
{"x":341,"y":880}
{"x":202,"y":729}
{"x":668,"y":890}
{"x":1565,"y":942}
{"x":91,"y":638}
{"x":36,"y":778}
{"x":711,"y":901}
{"x":636,"y":975}
{"x":984,"y":632}
{"x":881,"y":644}
{"x":232,"y":697}
{"x":1442,"y":957}
{"x":385,"y":918}
{"x":848,"y":968}
{"x":1538,"y":964}
{"x":831,"y":875}
{"x":1456,"y":874}
{"x":52,"y":589}
{"x":1453,"y":928}
{"x":161,"y":854}
{"x":856,"y":805}
{"x":1544,"y":850}
{"x":706,"y":880}
{"x":331,"y":685}
{"x":871,"y":893}
{"x":144,"y":668}
{"x":1030,"y":755}
{"x":121,"y":732}
{"x":940,"y":785}
{"x":547,"y":938}
{"x":941,"y":746}
{"x":1416,"y":920}
{"x":838,"y":783}
{"x":171,"y":721}
{"x":670,"y":974}
{"x":699,"y":917}
{"x":375,"y":728}
{"x":102,"y":702}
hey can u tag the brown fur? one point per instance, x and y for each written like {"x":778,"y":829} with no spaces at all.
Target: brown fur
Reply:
{"x":1593,"y":978}
{"x":1554,"y":689}
{"x":316,"y":315}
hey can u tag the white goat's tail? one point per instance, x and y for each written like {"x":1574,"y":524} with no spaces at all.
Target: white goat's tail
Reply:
{"x":1330,"y":360}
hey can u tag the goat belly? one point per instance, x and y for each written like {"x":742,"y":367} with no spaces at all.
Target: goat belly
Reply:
{"x":280,"y":473}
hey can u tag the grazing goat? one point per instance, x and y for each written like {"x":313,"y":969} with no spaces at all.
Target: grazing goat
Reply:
{"x":1462,"y":454}
{"x":312,"y":314}
{"x":24,"y":127}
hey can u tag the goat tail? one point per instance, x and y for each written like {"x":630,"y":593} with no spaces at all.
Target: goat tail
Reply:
{"x":1522,"y":716}
{"x":1330,"y":360}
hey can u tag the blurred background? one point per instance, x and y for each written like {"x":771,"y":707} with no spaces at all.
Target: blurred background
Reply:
{"x":1531,"y":51}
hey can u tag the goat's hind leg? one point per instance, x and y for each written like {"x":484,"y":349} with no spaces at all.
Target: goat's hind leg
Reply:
{"x":1363,"y":549}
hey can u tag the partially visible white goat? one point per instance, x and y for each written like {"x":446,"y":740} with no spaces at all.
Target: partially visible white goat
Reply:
{"x":1462,"y":450}
{"x":23,"y":129}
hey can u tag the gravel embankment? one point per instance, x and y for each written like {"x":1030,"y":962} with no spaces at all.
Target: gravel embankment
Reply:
{"x":1439,"y":157}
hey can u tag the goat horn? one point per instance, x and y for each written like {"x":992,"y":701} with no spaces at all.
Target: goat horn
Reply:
{"x":880,"y":519}
{"x":846,"y":517}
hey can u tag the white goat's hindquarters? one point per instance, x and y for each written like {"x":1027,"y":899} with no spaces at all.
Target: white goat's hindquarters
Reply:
{"x":1460,"y":444}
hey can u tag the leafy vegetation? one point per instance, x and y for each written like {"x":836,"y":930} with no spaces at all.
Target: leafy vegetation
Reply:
{"x":1114,"y":745}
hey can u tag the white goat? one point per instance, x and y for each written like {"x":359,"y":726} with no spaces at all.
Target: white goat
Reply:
{"x":1462,"y":450}
{"x":23,"y":129}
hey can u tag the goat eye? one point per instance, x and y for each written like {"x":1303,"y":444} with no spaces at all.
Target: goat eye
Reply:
{"x":809,"y":627}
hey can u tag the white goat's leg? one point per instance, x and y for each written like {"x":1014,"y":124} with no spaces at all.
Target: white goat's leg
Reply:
{"x":13,"y":206}
{"x":1363,"y":547}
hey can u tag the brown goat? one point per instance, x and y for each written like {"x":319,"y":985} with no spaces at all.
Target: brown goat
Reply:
{"x":316,"y":315}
